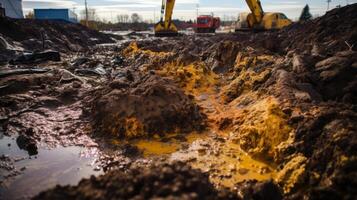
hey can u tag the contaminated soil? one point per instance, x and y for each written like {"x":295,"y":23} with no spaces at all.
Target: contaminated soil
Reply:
{"x":268,"y":115}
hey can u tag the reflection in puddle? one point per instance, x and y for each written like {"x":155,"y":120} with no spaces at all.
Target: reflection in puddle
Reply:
{"x":61,"y":165}
{"x":168,"y":145}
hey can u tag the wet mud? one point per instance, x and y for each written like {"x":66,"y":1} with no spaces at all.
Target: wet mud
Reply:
{"x":225,"y":116}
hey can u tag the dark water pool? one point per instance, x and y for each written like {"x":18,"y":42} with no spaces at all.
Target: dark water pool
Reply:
{"x":61,"y":165}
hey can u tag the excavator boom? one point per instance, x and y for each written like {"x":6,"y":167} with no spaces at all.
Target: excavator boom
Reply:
{"x":166,"y":27}
{"x":256,"y":9}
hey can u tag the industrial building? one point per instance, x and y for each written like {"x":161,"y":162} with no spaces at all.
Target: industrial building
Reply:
{"x":56,"y":14}
{"x":13,"y":8}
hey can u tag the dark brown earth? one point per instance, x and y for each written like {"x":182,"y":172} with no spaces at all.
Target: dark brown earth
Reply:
{"x":137,"y":105}
{"x":286,"y":98}
{"x":160,"y":181}
{"x":57,"y":35}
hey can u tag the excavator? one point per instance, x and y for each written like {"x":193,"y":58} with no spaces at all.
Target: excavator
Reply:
{"x":260,"y":20}
{"x":166,"y":27}
{"x":256,"y":20}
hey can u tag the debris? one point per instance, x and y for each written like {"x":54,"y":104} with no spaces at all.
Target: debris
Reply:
{"x":35,"y":58}
{"x":13,"y":72}
{"x":80,"y":61}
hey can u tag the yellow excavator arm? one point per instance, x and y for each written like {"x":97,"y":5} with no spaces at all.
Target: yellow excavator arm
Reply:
{"x":257,"y":11}
{"x":166,"y":27}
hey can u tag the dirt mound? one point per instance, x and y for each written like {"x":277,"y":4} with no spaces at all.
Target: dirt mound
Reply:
{"x":57,"y":35}
{"x":140,"y":105}
{"x":175,"y":181}
{"x":333,"y":32}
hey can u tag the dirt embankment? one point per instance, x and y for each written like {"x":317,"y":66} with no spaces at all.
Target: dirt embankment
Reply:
{"x":61,"y":36}
{"x":160,"y":181}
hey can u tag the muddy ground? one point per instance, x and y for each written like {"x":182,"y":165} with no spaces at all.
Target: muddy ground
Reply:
{"x":229,"y":116}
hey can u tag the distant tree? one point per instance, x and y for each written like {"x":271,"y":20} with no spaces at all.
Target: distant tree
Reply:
{"x":135,"y":18}
{"x":305,"y":14}
{"x":122,"y":18}
{"x":30,"y":15}
{"x":126,"y":18}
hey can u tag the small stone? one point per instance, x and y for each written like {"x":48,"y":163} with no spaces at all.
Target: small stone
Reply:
{"x":243,"y":171}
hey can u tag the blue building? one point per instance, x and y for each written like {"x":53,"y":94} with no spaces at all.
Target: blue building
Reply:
{"x":56,"y":14}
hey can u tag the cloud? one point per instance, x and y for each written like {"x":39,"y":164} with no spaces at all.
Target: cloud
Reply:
{"x":48,"y":4}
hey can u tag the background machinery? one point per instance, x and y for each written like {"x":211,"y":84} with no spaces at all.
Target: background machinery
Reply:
{"x":259,"y":20}
{"x":207,"y":24}
{"x":166,"y":27}
{"x":256,"y":20}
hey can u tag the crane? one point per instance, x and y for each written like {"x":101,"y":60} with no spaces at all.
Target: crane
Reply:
{"x":256,"y":20}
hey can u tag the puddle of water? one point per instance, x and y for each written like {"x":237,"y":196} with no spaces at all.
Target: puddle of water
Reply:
{"x":157,"y":147}
{"x":61,"y":165}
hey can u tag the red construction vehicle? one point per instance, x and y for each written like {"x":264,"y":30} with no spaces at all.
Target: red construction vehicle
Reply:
{"x":207,"y":24}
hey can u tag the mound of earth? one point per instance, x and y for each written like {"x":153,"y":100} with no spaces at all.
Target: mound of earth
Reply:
{"x":174,"y":181}
{"x":333,"y":32}
{"x":57,"y":35}
{"x":137,"y":105}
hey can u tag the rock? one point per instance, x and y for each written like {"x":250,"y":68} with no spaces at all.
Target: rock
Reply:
{"x":254,"y":190}
{"x":243,"y":171}
{"x":118,"y":60}
{"x":3,"y":43}
{"x":292,"y":175}
{"x":298,"y":64}
{"x":80,"y":61}
{"x":28,"y":144}
{"x":98,"y":71}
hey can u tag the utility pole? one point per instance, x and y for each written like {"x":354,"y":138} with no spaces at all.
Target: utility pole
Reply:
{"x":86,"y":8}
{"x":197,"y":6}
{"x":154,"y":14}
{"x":328,"y":4}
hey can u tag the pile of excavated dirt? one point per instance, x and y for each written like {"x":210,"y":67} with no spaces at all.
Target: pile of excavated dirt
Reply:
{"x":174,"y":181}
{"x":278,"y":117}
{"x":137,"y":105}
{"x":56,"y":35}
{"x":333,"y":32}
{"x":280,"y":108}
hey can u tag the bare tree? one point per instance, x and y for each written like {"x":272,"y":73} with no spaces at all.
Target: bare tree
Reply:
{"x":126,"y":18}
{"x":30,"y":15}
{"x":135,"y":18}
{"x":123,"y":18}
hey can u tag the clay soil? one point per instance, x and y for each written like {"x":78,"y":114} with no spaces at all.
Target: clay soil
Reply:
{"x":269,"y":115}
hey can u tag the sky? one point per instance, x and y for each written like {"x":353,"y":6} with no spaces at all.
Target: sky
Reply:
{"x":184,"y":9}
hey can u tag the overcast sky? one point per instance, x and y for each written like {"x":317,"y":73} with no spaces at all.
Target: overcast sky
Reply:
{"x":184,"y":9}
